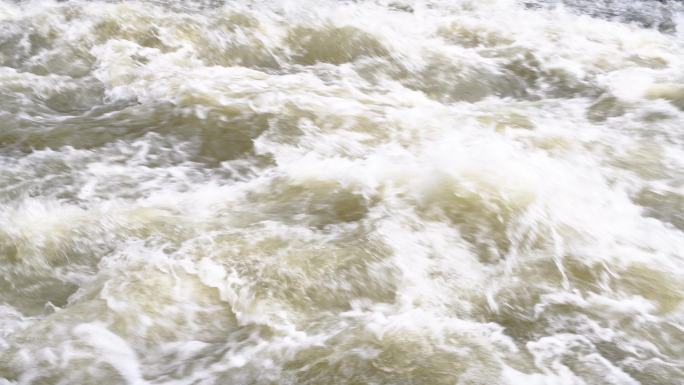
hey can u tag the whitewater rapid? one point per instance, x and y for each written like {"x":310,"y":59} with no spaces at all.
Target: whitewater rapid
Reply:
{"x":342,"y":192}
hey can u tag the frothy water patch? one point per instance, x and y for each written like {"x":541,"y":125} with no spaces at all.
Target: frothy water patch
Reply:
{"x":371,"y":192}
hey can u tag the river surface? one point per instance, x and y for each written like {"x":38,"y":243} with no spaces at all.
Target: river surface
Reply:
{"x":342,"y":192}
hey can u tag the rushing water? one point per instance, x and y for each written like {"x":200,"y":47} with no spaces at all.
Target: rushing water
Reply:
{"x":330,"y":192}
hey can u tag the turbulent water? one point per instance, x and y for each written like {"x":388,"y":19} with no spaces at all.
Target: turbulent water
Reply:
{"x":342,"y":192}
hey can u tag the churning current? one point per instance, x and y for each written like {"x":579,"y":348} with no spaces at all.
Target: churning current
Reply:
{"x":326,"y":192}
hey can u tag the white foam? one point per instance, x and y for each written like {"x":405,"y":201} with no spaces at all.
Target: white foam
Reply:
{"x":467,"y":197}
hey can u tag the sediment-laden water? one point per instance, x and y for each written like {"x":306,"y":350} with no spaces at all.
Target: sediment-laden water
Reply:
{"x":342,"y":192}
